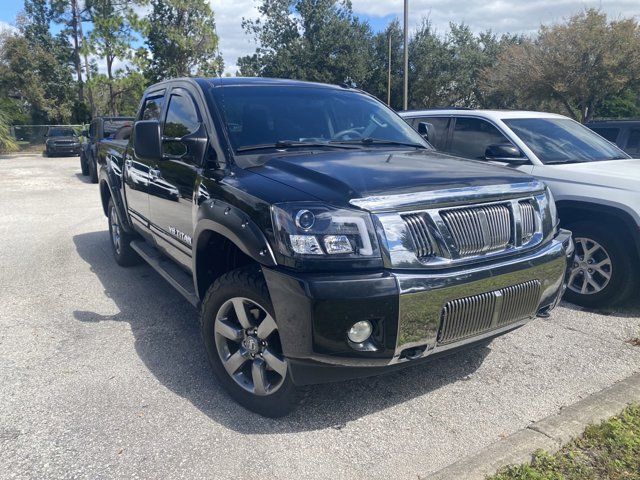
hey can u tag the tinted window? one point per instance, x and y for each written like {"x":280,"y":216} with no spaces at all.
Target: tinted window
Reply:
{"x":633,"y":142}
{"x":61,"y":132}
{"x":123,"y":133}
{"x":112,"y":126}
{"x":182,"y":117}
{"x":609,"y":133}
{"x":472,"y":136}
{"x":438,"y":128}
{"x":267,"y":114}
{"x":559,"y":140}
{"x":153,"y":108}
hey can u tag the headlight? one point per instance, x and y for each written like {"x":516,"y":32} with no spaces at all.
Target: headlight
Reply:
{"x":314,"y":229}
{"x":553,"y":210}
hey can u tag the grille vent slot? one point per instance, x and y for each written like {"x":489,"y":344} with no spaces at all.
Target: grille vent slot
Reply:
{"x":480,"y":229}
{"x":419,"y":231}
{"x":469,"y":316}
{"x":528,"y":219}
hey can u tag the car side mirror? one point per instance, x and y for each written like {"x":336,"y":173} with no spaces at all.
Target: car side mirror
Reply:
{"x":425,"y":129}
{"x":84,"y":133}
{"x":505,"y":152}
{"x":147,"y":142}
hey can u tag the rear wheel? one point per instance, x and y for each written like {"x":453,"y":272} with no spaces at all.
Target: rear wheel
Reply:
{"x":243,"y":345}
{"x":603,"y":272}
{"x":120,"y":240}
{"x":84,"y":168}
{"x":93,"y":169}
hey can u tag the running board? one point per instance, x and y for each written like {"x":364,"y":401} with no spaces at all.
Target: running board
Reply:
{"x":172,"y":273}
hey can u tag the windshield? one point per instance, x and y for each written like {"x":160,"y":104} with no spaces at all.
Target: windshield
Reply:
{"x":562,"y":140}
{"x":112,"y":126}
{"x":283,"y":116}
{"x":61,"y":132}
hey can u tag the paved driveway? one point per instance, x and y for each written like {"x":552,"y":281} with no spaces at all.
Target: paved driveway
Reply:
{"x":103,"y":375}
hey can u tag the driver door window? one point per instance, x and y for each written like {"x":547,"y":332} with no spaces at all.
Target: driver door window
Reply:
{"x":182,"y":119}
{"x":472,"y":136}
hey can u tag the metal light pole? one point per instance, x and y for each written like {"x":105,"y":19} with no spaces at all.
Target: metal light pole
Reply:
{"x":406,"y":54}
{"x":389,"y":72}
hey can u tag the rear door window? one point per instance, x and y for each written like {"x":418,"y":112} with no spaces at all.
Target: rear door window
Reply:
{"x":472,"y":136}
{"x":610,"y":133}
{"x":633,"y":142}
{"x":437,"y":134}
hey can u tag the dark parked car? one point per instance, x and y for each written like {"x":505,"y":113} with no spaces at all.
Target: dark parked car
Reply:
{"x":321,"y":237}
{"x":624,"y":133}
{"x":62,"y":141}
{"x":100,"y":128}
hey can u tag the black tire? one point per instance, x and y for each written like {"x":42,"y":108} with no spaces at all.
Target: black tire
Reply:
{"x":84,"y":168}
{"x":247,"y":283}
{"x":93,"y":169}
{"x":620,"y":267}
{"x":120,"y":241}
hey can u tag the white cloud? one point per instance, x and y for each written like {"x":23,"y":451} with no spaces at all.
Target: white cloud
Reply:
{"x":234,"y":42}
{"x":516,"y":16}
{"x":500,"y":16}
{"x":4,"y":26}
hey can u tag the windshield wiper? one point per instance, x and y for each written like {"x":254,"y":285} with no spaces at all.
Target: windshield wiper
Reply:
{"x":291,"y":144}
{"x":563,"y":162}
{"x":377,"y":141}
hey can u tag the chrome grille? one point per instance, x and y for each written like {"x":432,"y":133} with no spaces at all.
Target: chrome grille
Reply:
{"x":519,"y":301}
{"x":419,"y":231}
{"x":465,"y":317}
{"x":528,"y":220}
{"x":479,"y":229}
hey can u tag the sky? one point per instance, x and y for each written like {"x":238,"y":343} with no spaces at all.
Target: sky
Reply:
{"x":515,"y":16}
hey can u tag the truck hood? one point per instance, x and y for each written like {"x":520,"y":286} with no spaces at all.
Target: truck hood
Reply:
{"x":337,"y":177}
{"x":619,"y":174}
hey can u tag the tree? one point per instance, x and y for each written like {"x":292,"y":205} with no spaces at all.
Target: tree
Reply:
{"x":67,"y":13}
{"x":182,"y":40}
{"x":7,"y":142}
{"x":318,"y":40}
{"x":44,"y":83}
{"x":577,"y":67}
{"x":114,"y":23}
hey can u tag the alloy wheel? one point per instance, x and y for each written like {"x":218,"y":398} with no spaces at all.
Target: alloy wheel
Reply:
{"x":591,"y":270}
{"x":115,"y":230}
{"x":248,"y":344}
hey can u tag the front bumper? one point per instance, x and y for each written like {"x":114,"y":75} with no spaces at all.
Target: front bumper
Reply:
{"x":64,"y":149}
{"x":315,"y":311}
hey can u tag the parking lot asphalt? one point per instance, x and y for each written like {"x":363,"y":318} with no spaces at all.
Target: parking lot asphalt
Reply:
{"x":103,"y":374}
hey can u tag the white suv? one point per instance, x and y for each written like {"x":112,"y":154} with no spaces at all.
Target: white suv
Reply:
{"x":595,"y":184}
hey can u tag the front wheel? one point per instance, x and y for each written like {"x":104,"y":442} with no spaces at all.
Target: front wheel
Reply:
{"x":603,"y":270}
{"x":243,"y":344}
{"x":120,"y":240}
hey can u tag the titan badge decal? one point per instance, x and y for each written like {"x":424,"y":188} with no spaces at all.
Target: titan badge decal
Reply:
{"x":181,"y":235}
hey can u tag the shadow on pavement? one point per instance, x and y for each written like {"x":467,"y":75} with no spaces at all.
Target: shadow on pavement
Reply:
{"x":83,"y":178}
{"x":167,"y":340}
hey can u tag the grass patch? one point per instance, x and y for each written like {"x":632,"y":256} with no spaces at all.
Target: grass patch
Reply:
{"x":609,"y":451}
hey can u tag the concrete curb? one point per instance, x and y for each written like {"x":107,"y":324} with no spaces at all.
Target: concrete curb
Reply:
{"x":548,"y":434}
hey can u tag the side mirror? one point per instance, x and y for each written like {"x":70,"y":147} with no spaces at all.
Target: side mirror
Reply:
{"x":425,"y":129}
{"x":505,"y":152}
{"x":84,"y":133}
{"x":147,"y":143}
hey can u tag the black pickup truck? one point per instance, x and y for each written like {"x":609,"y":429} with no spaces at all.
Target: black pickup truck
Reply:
{"x":117,"y":128}
{"x":321,"y":237}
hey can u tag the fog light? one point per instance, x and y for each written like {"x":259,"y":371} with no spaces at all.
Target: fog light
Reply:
{"x":360,"y":331}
